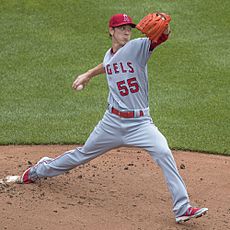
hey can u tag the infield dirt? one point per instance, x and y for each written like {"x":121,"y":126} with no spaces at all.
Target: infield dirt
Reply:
{"x":121,"y":190}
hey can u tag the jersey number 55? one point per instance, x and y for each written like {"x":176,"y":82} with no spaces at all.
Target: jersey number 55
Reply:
{"x":128,"y":86}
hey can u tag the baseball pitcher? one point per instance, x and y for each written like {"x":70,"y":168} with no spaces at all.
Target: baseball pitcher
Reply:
{"x":127,"y":121}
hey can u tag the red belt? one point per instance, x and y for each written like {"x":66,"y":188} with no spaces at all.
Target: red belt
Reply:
{"x":128,"y":114}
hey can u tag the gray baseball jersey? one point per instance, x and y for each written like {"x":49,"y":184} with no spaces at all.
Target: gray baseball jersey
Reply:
{"x":127,"y":75}
{"x":126,"y":72}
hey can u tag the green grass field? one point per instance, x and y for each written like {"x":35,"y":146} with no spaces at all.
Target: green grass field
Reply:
{"x":46,"y":44}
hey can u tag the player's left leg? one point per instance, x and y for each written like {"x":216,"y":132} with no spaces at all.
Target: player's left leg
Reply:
{"x":148,"y":136}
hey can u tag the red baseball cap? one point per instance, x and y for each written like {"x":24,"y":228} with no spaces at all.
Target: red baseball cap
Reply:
{"x":121,"y":19}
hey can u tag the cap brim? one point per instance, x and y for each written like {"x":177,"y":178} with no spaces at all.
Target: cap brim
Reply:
{"x":131,"y":24}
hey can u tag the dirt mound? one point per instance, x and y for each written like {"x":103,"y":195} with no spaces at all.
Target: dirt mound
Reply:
{"x":123,"y":189}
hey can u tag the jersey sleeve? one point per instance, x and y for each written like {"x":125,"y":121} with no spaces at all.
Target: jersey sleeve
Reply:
{"x":162,"y":39}
{"x":141,"y":50}
{"x":106,"y":54}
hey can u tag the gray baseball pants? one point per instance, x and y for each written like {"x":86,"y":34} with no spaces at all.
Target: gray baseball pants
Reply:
{"x":112,"y":132}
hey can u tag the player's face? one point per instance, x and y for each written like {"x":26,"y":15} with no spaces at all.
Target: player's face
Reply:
{"x":121,"y":34}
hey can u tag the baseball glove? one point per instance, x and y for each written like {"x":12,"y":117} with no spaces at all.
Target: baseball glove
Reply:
{"x":153,"y":25}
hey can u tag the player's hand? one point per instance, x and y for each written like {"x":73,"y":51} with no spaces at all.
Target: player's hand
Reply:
{"x":82,"y":79}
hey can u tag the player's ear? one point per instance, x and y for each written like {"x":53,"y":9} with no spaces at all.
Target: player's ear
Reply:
{"x":111,"y":31}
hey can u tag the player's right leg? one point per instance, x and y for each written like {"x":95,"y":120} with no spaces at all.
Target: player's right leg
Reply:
{"x":104,"y":137}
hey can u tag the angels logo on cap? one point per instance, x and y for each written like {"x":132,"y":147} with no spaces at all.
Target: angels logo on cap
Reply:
{"x":121,"y":19}
{"x":126,"y":18}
